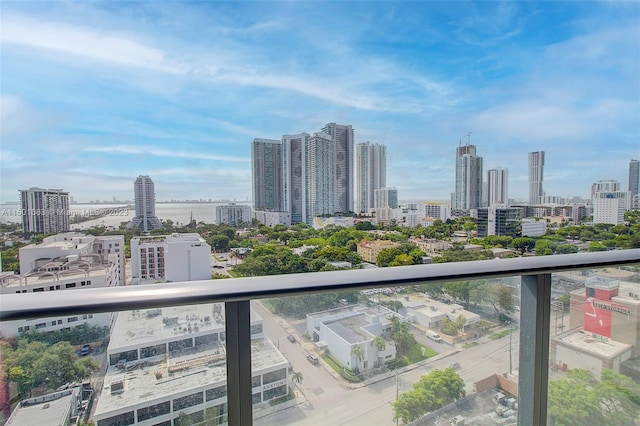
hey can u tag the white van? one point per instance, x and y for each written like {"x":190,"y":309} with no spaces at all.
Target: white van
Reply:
{"x":434,"y":336}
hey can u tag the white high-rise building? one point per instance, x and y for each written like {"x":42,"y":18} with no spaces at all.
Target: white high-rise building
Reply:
{"x":437,"y":210}
{"x":233,"y":214}
{"x":609,"y":202}
{"x":371,"y":174}
{"x":342,"y":136}
{"x":145,"y":204}
{"x":498,"y":186}
{"x":294,"y":176}
{"x":385,"y":198}
{"x":44,"y":211}
{"x":175,"y":257}
{"x":320,"y":176}
{"x":267,"y":174}
{"x":536,"y":172}
{"x":468,"y":193}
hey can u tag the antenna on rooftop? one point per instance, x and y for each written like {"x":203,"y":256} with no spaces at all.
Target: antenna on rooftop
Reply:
{"x":468,"y":135}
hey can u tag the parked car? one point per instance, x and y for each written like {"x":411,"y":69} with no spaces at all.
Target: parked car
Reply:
{"x":85,"y":350}
{"x":291,"y":338}
{"x":434,"y":336}
{"x":313,"y":359}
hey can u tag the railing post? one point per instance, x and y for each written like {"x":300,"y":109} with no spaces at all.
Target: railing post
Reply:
{"x":535,"y":322}
{"x":238,"y":341}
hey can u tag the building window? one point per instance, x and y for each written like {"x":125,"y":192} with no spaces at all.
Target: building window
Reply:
{"x":256,"y":329}
{"x":187,"y":401}
{"x":180,"y":344}
{"x":123,"y":356}
{"x":70,"y":285}
{"x":151,"y":351}
{"x":274,"y":376}
{"x":216,"y":393}
{"x":120,"y":420}
{"x":256,"y":381}
{"x":53,"y":323}
{"x":154,"y":411}
{"x":59,"y":322}
{"x":206,"y":339}
{"x":41,"y":325}
{"x":72,"y":319}
{"x":275,"y":392}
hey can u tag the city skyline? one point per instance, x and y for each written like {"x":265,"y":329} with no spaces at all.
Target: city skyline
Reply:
{"x":177,"y":91}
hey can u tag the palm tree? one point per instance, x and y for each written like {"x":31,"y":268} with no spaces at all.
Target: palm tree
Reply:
{"x":359,"y":353}
{"x":379,"y":343}
{"x":297,"y":378}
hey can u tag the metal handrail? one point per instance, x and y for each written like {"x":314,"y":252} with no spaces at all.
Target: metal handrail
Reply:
{"x":111,"y":299}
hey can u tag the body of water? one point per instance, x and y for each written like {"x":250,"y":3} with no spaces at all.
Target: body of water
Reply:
{"x":179,"y":213}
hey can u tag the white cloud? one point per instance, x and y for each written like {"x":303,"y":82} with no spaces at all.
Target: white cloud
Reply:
{"x":85,"y":42}
{"x":160,"y":152}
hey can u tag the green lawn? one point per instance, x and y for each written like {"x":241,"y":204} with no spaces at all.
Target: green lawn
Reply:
{"x":500,"y":334}
{"x":338,"y":369}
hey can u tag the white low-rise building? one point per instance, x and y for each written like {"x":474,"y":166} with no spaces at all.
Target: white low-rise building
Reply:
{"x":272,"y":218}
{"x":430,"y":313}
{"x":170,"y":363}
{"x":533,"y":228}
{"x":233,"y":214}
{"x":175,"y":257}
{"x":65,"y":262}
{"x":341,"y":330}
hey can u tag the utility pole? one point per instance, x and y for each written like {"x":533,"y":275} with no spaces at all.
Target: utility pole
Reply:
{"x":397,"y":395}
{"x":510,"y":332}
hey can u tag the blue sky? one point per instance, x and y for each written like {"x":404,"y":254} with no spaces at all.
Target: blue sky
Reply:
{"x":94,"y":94}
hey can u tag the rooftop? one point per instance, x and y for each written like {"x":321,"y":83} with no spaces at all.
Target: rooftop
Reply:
{"x":598,"y":346}
{"x":350,"y":329}
{"x":143,"y":384}
{"x":54,"y":407}
{"x":141,"y":327}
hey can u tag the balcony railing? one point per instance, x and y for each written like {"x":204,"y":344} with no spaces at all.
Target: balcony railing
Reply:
{"x":237,"y":294}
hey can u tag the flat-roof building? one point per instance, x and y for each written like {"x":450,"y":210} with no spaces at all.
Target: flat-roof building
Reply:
{"x":170,"y":363}
{"x":65,"y":262}
{"x":56,"y":409}
{"x":342,"y":329}
{"x":175,"y":257}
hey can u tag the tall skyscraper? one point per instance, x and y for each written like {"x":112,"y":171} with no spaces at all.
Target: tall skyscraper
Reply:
{"x":371,"y":174}
{"x":634,"y":177}
{"x":342,"y":136}
{"x":145,"y":204}
{"x":44,"y":211}
{"x":497,"y":186}
{"x":294,"y":175}
{"x":468,"y":193}
{"x":536,"y":169}
{"x":267,"y":174}
{"x":320,"y":176}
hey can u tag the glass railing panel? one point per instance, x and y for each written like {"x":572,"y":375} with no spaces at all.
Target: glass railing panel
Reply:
{"x":379,"y":356}
{"x":164,"y":366}
{"x":594,"y":359}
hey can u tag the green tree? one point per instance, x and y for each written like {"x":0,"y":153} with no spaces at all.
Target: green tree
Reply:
{"x":358,"y":352}
{"x":580,"y":398}
{"x":524,"y":244}
{"x":432,"y":391}
{"x":297,"y":378}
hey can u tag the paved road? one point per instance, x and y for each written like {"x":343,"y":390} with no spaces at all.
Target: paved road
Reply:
{"x":327,"y":401}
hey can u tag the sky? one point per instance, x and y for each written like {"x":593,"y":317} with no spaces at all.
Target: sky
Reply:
{"x":93,"y":94}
